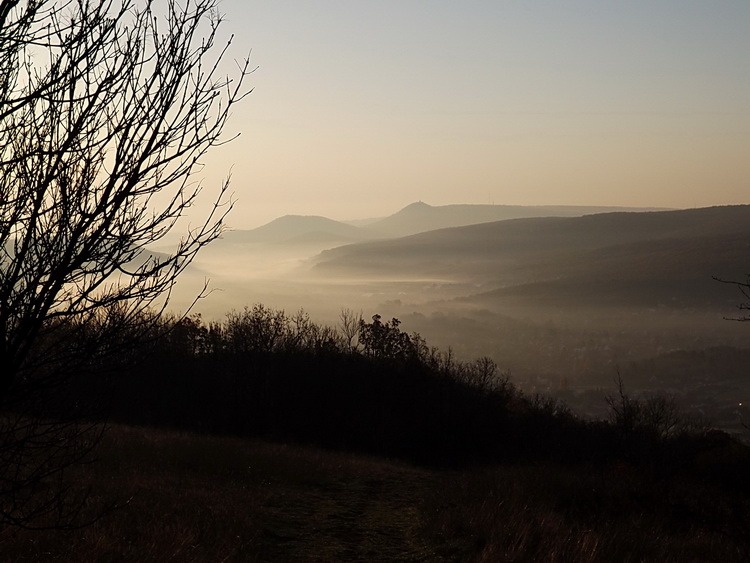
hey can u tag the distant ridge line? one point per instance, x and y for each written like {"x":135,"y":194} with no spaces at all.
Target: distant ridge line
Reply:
{"x":421,"y":217}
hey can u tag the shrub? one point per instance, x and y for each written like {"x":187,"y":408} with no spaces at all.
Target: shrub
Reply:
{"x":658,"y":416}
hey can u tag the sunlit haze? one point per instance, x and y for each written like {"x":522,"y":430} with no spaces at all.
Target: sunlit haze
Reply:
{"x":361,"y":108}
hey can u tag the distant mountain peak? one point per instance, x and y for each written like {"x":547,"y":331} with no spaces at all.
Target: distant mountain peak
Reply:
{"x":418,"y":208}
{"x":417,"y":205}
{"x":296,"y":218}
{"x":297,"y":227}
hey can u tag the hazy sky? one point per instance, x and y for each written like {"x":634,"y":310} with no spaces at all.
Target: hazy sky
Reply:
{"x":361,"y":108}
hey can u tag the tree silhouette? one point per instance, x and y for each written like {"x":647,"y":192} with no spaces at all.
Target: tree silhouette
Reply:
{"x":106,"y":109}
{"x":744,"y":287}
{"x":385,"y":340}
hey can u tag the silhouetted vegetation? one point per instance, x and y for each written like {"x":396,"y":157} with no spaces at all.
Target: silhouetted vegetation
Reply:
{"x":378,"y":390}
{"x":268,"y":374}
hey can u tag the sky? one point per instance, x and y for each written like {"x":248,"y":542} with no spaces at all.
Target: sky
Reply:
{"x":360,"y":108}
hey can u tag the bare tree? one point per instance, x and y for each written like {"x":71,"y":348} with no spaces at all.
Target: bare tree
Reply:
{"x":106,"y":109}
{"x":744,"y":287}
{"x":349,"y":323}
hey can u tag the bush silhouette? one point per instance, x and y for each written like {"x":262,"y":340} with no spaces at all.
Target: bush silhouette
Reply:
{"x":265,"y":373}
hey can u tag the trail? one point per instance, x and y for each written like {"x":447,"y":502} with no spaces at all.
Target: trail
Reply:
{"x":354,"y":518}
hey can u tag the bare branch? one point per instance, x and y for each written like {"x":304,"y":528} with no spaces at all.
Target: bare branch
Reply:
{"x":106,"y":111}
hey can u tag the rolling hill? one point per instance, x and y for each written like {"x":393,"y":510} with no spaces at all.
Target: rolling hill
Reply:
{"x":295,"y":229}
{"x":623,"y":258}
{"x":420,"y":217}
{"x":415,"y":218}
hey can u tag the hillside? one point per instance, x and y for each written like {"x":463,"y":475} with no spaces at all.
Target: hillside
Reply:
{"x":420,"y":217}
{"x":270,"y":438}
{"x":415,"y":218}
{"x":621,"y":256}
{"x":193,"y":497}
{"x":299,"y":228}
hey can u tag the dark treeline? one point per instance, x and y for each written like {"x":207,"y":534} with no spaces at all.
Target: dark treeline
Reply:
{"x":370,"y":387}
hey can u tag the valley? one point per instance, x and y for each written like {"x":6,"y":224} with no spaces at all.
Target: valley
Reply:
{"x":561,"y":303}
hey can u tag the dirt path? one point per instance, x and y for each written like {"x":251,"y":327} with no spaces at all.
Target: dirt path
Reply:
{"x":374,"y":517}
{"x":185,"y":498}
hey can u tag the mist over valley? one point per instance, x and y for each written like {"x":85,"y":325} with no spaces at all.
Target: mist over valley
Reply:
{"x":563,"y":298}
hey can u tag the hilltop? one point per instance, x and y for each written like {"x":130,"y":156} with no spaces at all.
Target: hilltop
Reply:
{"x":292,"y":229}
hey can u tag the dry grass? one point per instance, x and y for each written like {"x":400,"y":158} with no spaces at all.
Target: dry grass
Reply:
{"x":188,"y":498}
{"x":194,"y":498}
{"x":583,"y":514}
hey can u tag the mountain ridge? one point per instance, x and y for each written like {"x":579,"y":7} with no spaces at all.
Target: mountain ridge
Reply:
{"x":611,"y":252}
{"x":293,"y":229}
{"x":415,"y":218}
{"x":421,"y":217}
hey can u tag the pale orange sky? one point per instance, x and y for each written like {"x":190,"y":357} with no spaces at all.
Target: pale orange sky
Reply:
{"x":361,"y":108}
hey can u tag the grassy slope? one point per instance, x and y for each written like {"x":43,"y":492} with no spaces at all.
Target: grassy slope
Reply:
{"x":186,"y":497}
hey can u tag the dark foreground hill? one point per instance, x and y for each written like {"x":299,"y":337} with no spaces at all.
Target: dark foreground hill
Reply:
{"x":378,"y":448}
{"x":194,"y":498}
